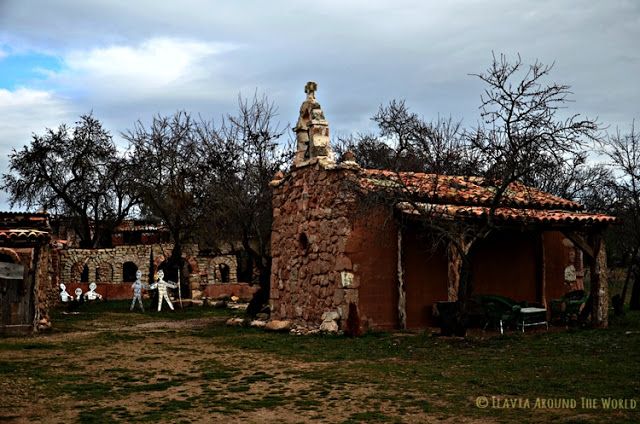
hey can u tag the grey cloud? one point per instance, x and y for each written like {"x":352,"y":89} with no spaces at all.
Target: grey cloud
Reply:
{"x":362,"y":54}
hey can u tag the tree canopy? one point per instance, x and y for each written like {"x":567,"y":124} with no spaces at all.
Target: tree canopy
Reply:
{"x":76,"y":172}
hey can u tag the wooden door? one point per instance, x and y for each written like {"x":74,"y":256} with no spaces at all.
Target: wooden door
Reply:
{"x":16,"y":299}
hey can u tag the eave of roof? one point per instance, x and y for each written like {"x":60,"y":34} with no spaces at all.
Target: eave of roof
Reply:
{"x":23,"y":235}
{"x":505,"y":214}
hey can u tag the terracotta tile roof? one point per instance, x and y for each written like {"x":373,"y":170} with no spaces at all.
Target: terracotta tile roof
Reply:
{"x":16,"y":234}
{"x":459,"y":190}
{"x":506,"y":214}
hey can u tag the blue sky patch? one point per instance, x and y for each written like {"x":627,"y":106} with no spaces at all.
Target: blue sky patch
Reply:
{"x":23,"y":68}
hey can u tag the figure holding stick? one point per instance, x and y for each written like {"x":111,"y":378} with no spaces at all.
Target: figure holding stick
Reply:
{"x":162,"y":285}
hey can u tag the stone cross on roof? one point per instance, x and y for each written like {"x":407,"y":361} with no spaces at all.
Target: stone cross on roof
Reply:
{"x":312,"y":132}
{"x":310,"y":88}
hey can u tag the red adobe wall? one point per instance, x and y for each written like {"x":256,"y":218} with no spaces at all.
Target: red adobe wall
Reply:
{"x":108,"y":291}
{"x":425,"y":277}
{"x":123,"y":291}
{"x":505,"y":264}
{"x":559,"y":253}
{"x":372,"y":247}
{"x":243,"y":290}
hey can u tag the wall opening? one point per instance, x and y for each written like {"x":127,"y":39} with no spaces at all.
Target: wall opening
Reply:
{"x":304,"y":242}
{"x":84,"y":276}
{"x":224,"y":273}
{"x":129,"y":272}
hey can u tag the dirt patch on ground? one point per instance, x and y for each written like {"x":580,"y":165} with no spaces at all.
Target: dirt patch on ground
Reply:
{"x":159,"y":371}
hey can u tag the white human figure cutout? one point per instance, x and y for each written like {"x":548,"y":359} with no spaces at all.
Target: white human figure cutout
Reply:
{"x":92,"y":294}
{"x":137,"y":287}
{"x":64,"y":295}
{"x":78,"y":293}
{"x":162,"y":285}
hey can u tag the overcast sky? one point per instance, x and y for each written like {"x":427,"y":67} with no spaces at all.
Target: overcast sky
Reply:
{"x":127,"y":60}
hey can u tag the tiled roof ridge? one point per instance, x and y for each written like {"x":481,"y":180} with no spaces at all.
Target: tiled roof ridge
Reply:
{"x":465,"y":190}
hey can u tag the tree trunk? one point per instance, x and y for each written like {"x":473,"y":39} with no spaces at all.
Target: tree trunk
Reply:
{"x":599,"y":285}
{"x":634,"y":303}
{"x":628,"y":276}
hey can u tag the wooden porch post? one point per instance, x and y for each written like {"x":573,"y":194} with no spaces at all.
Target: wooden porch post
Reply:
{"x":599,"y":284}
{"x":402,"y":298}
{"x":454,"y":263}
{"x":542,"y":270}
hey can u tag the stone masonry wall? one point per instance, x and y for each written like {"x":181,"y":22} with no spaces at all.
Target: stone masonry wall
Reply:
{"x":311,"y":271}
{"x":106,"y":265}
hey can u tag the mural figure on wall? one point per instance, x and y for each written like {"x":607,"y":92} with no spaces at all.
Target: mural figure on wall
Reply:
{"x":64,"y":295}
{"x":92,"y":294}
{"x":162,"y":285}
{"x":137,"y":287}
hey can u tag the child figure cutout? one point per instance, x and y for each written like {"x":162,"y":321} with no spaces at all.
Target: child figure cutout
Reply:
{"x":162,"y":285}
{"x":64,"y":295}
{"x":92,"y":294}
{"x":137,"y":287}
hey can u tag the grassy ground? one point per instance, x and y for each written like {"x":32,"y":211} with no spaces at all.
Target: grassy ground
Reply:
{"x":106,"y":364}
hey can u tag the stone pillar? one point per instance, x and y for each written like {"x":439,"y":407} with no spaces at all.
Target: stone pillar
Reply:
{"x":599,"y":285}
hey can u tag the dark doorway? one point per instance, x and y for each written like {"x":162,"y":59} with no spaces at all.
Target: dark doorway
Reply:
{"x":129,"y":270}
{"x":84,"y":276}
{"x":224,"y":273}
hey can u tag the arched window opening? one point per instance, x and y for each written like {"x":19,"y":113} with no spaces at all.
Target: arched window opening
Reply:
{"x":224,"y":273}
{"x":84,"y":277}
{"x":129,"y":272}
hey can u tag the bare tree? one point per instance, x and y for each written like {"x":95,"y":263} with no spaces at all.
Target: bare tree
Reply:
{"x":238,"y":207}
{"x":623,"y":151}
{"x":521,"y":133}
{"x":172,"y":175}
{"x":406,"y":142}
{"x":77,"y":173}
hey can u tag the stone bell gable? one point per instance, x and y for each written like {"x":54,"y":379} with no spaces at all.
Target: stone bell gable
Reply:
{"x":312,"y":132}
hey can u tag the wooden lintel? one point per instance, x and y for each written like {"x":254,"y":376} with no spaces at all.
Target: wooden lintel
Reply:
{"x":582,"y":244}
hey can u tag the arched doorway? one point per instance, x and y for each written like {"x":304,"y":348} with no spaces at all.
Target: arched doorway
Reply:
{"x":224,"y":273}
{"x":84,"y":276}
{"x":129,"y":270}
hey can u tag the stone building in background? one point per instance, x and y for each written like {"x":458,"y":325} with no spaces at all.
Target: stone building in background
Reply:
{"x":333,"y":257}
{"x":135,"y":246}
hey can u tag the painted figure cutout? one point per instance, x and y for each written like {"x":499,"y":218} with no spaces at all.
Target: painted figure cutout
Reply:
{"x":137,"y":287}
{"x":64,"y":295}
{"x":92,"y":294}
{"x":162,"y":285}
{"x":78,"y":293}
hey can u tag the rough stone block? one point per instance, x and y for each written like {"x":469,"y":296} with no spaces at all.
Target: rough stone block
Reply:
{"x":278,"y":325}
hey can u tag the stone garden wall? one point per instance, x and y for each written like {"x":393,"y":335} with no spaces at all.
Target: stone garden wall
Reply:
{"x":106,"y":267}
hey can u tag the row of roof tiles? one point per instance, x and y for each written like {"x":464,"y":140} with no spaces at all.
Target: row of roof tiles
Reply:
{"x":506,"y":214}
{"x":29,"y":235}
{"x":459,"y":190}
